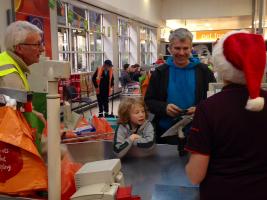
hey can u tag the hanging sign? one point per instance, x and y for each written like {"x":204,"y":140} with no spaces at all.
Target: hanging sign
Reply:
{"x":210,"y":35}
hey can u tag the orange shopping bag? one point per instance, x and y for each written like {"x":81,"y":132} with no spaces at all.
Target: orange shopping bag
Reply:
{"x":68,"y":170}
{"x":101,"y":125}
{"x":145,"y":84}
{"x":22,"y":170}
{"x":103,"y":129}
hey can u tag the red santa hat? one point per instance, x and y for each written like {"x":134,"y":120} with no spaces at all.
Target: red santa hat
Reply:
{"x":239,"y":57}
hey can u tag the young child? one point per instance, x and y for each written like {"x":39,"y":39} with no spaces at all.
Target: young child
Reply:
{"x":134,"y":129}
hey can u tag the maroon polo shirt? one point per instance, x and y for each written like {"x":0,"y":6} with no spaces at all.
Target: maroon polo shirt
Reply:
{"x":236,"y":141}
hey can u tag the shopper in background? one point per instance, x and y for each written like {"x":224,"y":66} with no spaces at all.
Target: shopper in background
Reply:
{"x":135,"y":72}
{"x":103,"y":81}
{"x":176,"y":86}
{"x":228,"y":137}
{"x":134,"y":128}
{"x":160,"y":60}
{"x":125,"y":76}
{"x":23,"y":42}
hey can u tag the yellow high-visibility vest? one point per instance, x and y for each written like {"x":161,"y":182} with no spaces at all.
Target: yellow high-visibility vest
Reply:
{"x":6,"y":59}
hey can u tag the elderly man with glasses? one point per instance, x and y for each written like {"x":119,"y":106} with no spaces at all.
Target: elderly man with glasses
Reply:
{"x":23,"y":42}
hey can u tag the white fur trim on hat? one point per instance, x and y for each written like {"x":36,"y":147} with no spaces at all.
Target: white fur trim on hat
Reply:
{"x":256,"y":104}
{"x":225,"y":69}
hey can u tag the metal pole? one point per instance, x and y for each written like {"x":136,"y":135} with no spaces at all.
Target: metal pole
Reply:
{"x":253,"y":15}
{"x":54,"y":167}
{"x":261,"y":17}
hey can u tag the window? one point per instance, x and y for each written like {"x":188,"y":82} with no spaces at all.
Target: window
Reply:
{"x":145,"y":46}
{"x":61,"y":13}
{"x":79,"y":37}
{"x":96,"y":40}
{"x":79,"y":54}
{"x":124,"y":42}
{"x":63,"y":44}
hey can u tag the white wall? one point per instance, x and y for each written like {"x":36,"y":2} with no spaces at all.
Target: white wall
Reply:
{"x":190,"y":9}
{"x":5,"y":5}
{"x":147,"y":11}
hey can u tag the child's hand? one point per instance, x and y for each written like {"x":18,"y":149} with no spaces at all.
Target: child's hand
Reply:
{"x":134,"y":137}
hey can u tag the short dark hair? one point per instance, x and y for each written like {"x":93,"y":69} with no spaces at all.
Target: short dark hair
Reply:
{"x":125,"y":66}
{"x":136,"y":65}
{"x":108,"y":63}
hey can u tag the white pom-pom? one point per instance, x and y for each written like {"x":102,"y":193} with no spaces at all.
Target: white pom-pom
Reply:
{"x":12,"y":103}
{"x":7,"y":98}
{"x":256,"y":104}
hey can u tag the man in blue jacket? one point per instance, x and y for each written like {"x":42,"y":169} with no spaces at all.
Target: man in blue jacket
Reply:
{"x":176,"y":87}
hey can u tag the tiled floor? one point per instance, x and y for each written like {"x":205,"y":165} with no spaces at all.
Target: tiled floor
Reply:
{"x":116,"y":103}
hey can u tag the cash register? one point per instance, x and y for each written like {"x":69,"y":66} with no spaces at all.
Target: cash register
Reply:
{"x":98,"y":180}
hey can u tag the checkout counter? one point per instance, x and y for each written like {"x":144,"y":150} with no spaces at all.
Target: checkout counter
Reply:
{"x":159,"y":176}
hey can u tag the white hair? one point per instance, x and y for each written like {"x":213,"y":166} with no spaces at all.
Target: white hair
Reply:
{"x":17,"y":33}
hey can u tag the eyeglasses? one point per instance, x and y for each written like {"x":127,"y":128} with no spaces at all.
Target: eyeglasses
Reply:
{"x":39,"y":45}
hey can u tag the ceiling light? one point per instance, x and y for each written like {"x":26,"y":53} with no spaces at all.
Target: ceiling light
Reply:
{"x":174,"y":24}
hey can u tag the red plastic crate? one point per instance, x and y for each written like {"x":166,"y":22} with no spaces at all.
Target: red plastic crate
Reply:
{"x":125,"y":193}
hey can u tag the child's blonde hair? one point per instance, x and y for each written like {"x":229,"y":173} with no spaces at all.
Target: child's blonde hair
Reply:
{"x":125,"y":108}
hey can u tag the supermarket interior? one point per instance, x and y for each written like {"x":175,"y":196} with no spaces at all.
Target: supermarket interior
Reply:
{"x":131,"y":100}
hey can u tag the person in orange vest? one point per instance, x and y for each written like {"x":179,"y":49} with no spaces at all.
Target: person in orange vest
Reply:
{"x":103,"y":81}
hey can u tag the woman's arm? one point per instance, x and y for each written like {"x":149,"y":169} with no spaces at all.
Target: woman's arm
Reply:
{"x":196,"y":167}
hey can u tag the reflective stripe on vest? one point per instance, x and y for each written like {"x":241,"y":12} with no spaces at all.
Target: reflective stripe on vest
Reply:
{"x":6,"y":59}
{"x":98,"y":79}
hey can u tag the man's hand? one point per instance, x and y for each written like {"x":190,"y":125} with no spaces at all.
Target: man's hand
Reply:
{"x":191,"y":110}
{"x":173,"y":110}
{"x":134,"y":137}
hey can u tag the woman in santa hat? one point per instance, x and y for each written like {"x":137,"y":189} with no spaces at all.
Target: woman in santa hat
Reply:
{"x":228,"y":138}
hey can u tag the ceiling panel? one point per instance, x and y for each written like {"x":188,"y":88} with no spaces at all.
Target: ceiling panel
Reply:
{"x":239,"y":22}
